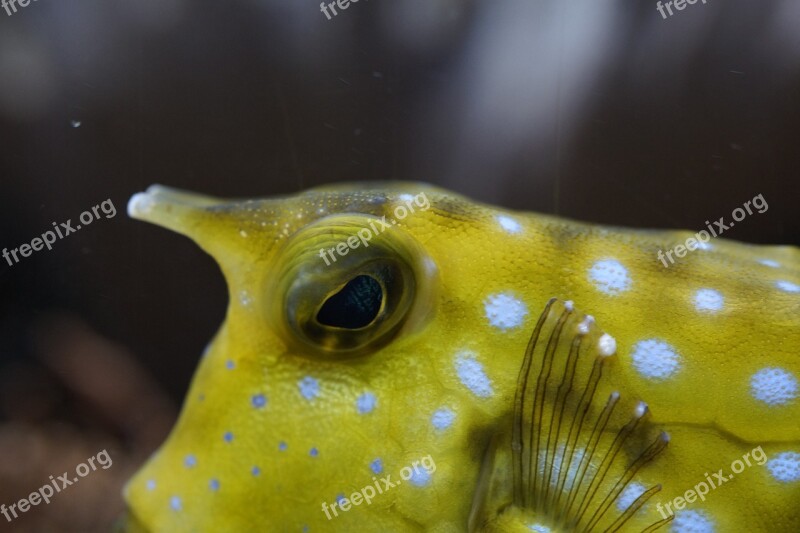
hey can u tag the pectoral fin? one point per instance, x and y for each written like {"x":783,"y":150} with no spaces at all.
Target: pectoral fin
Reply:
{"x":577,"y":453}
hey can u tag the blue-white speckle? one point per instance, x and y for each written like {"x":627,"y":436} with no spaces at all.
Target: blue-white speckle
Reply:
{"x":471,"y":374}
{"x":774,"y":386}
{"x":505,"y":311}
{"x":259,"y":401}
{"x":420,"y":477}
{"x":443,"y":418}
{"x":309,"y":388}
{"x":655,"y":359}
{"x":630,"y":495}
{"x":509,"y":224}
{"x":785,"y":467}
{"x":175,"y":503}
{"x":787,"y":286}
{"x":610,"y":276}
{"x":708,"y":300}
{"x":366,"y":403}
{"x":376,"y":466}
{"x":692,"y":522}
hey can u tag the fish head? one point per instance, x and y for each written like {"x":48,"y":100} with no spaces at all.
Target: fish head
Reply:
{"x":344,"y":386}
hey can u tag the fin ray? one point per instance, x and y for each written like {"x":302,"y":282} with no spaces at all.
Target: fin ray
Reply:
{"x":572,"y":451}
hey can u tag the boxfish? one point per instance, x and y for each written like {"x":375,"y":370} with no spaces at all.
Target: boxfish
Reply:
{"x":397,"y":357}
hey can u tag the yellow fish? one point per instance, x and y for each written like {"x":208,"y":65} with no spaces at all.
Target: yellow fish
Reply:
{"x":396,"y":357}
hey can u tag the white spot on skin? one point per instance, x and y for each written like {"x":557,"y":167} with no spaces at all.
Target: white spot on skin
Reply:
{"x":420,"y":477}
{"x":509,"y":224}
{"x":610,"y":277}
{"x":504,"y":311}
{"x":443,"y":418}
{"x":655,"y":359}
{"x":175,"y":503}
{"x":785,"y":467}
{"x":245,"y":299}
{"x":773,"y":386}
{"x":366,"y":403}
{"x":471,"y":374}
{"x":708,"y":300}
{"x":704,"y":246}
{"x":607,"y":345}
{"x":309,"y":388}
{"x":769,"y":262}
{"x":405,"y":197}
{"x":243,"y":233}
{"x":539,"y":528}
{"x":787,"y":286}
{"x":692,"y":522}
{"x":629,"y":495}
{"x":151,"y":484}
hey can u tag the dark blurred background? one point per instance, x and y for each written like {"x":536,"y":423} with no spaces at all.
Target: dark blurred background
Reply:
{"x":600,"y":111}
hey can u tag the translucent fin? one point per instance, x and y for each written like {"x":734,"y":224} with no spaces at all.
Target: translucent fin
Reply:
{"x":576,"y":443}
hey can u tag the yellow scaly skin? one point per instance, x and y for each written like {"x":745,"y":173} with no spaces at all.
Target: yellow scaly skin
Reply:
{"x":480,"y":283}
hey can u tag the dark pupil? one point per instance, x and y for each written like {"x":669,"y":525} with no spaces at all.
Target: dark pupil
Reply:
{"x":353,"y":307}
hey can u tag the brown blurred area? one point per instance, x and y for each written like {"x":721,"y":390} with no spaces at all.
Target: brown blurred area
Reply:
{"x":84,"y":395}
{"x":592,"y":110}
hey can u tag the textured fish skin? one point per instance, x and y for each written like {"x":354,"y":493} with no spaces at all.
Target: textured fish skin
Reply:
{"x":279,"y":420}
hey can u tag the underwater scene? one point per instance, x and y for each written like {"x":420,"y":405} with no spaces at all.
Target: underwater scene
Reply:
{"x":433,"y":265}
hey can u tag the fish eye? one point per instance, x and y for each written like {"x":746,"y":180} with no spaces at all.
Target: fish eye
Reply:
{"x":339,"y":289}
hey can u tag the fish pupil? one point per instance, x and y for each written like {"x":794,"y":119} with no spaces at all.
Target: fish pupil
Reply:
{"x":353,"y":307}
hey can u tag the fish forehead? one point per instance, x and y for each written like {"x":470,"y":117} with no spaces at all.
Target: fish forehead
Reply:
{"x":262,"y":421}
